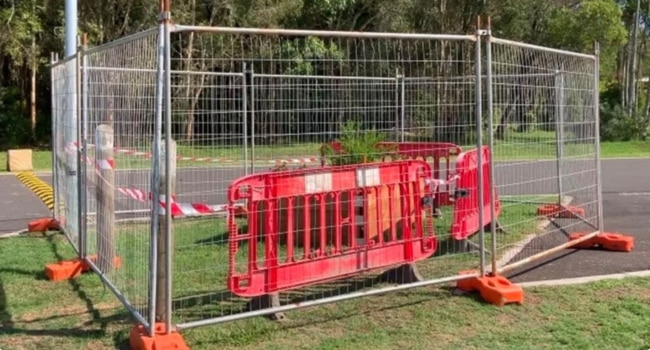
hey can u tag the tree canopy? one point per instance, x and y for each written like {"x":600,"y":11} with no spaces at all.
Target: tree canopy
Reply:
{"x":33,"y":29}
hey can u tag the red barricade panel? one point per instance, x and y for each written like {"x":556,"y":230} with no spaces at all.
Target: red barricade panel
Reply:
{"x":312,"y":225}
{"x":440,"y":155}
{"x":466,"y":209}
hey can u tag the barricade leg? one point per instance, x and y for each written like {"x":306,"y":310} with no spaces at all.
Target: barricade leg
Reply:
{"x":267,"y":301}
{"x":403,"y":274}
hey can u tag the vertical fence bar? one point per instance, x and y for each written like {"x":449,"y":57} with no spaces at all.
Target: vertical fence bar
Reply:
{"x":479,"y":145}
{"x":170,"y":161}
{"x":397,"y":99}
{"x":80,"y":150}
{"x":252,"y":118}
{"x":599,"y":195}
{"x":490,"y":113}
{"x":244,"y":99}
{"x":83,"y":140}
{"x":402,"y":105}
{"x":559,"y":129}
{"x":55,"y":132}
{"x":155,"y":179}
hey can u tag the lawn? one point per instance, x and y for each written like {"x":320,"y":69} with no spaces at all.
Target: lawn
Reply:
{"x":536,"y":145}
{"x":81,"y":314}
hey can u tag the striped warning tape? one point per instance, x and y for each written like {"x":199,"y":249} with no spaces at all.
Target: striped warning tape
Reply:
{"x":39,"y":187}
{"x":147,"y":155}
{"x":177,"y":209}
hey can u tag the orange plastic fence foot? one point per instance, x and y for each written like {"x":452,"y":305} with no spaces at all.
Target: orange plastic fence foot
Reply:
{"x":64,"y":270}
{"x":69,"y":269}
{"x":139,"y":340}
{"x":43,"y":225}
{"x":496,"y":290}
{"x":560,"y":211}
{"x":615,"y":242}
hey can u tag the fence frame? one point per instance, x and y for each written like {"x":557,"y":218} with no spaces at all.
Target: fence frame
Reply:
{"x":161,"y":165}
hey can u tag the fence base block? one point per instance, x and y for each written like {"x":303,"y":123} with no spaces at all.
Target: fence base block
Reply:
{"x":560,"y":211}
{"x":496,"y":290}
{"x":69,"y":269}
{"x":139,"y":340}
{"x":267,"y":301}
{"x":43,"y":225}
{"x":608,"y":241}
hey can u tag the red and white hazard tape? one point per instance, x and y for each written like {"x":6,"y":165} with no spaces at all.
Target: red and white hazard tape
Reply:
{"x":177,"y":209}
{"x":105,"y":164}
{"x":125,"y":151}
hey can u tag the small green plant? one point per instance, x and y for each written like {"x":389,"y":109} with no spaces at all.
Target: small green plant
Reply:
{"x":358,"y":146}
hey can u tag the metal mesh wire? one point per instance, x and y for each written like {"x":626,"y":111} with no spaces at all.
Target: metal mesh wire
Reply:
{"x":247,"y":104}
{"x":544,"y":146}
{"x":64,"y":116}
{"x":247,"y":107}
{"x":119,"y":86}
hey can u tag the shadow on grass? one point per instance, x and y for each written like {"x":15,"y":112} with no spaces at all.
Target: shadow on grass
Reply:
{"x":9,"y":326}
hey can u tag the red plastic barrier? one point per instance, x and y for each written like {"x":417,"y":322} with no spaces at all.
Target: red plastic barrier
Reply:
{"x":436,"y":151}
{"x":466,"y":210}
{"x":312,"y":225}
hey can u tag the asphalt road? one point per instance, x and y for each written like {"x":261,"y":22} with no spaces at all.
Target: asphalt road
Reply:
{"x":626,"y":205}
{"x":626,"y":196}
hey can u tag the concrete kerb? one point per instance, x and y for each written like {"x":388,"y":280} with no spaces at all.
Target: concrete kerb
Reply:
{"x":583,"y":280}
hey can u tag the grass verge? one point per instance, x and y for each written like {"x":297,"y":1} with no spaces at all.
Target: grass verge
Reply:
{"x":41,"y":160}
{"x":81,"y":314}
{"x":537,"y":146}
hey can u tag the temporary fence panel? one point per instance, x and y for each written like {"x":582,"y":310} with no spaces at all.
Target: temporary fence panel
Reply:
{"x":65,"y":151}
{"x":278,"y":99}
{"x":261,"y":108}
{"x":544,"y":148}
{"x":119,"y":111}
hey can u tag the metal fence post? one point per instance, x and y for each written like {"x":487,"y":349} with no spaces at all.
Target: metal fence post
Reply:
{"x":83,"y":156}
{"x":490,"y":113}
{"x":479,"y":145}
{"x":397,"y":99}
{"x":599,"y":195}
{"x":252,"y":118}
{"x":170,"y":175}
{"x":55,"y":133}
{"x":244,"y":98}
{"x":559,"y":129}
{"x":155,"y":180}
{"x":402,"y":105}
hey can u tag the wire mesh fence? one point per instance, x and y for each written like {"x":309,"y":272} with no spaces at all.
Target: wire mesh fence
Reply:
{"x":118,"y":109}
{"x":64,"y":132}
{"x":544,"y":118}
{"x":310,"y":167}
{"x":268,"y":104}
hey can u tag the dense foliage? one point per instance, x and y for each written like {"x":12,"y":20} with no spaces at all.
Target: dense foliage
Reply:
{"x":32,"y":29}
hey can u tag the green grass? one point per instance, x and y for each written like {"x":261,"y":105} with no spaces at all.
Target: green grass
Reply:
{"x":81,"y":314}
{"x":534,"y":145}
{"x":41,"y":160}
